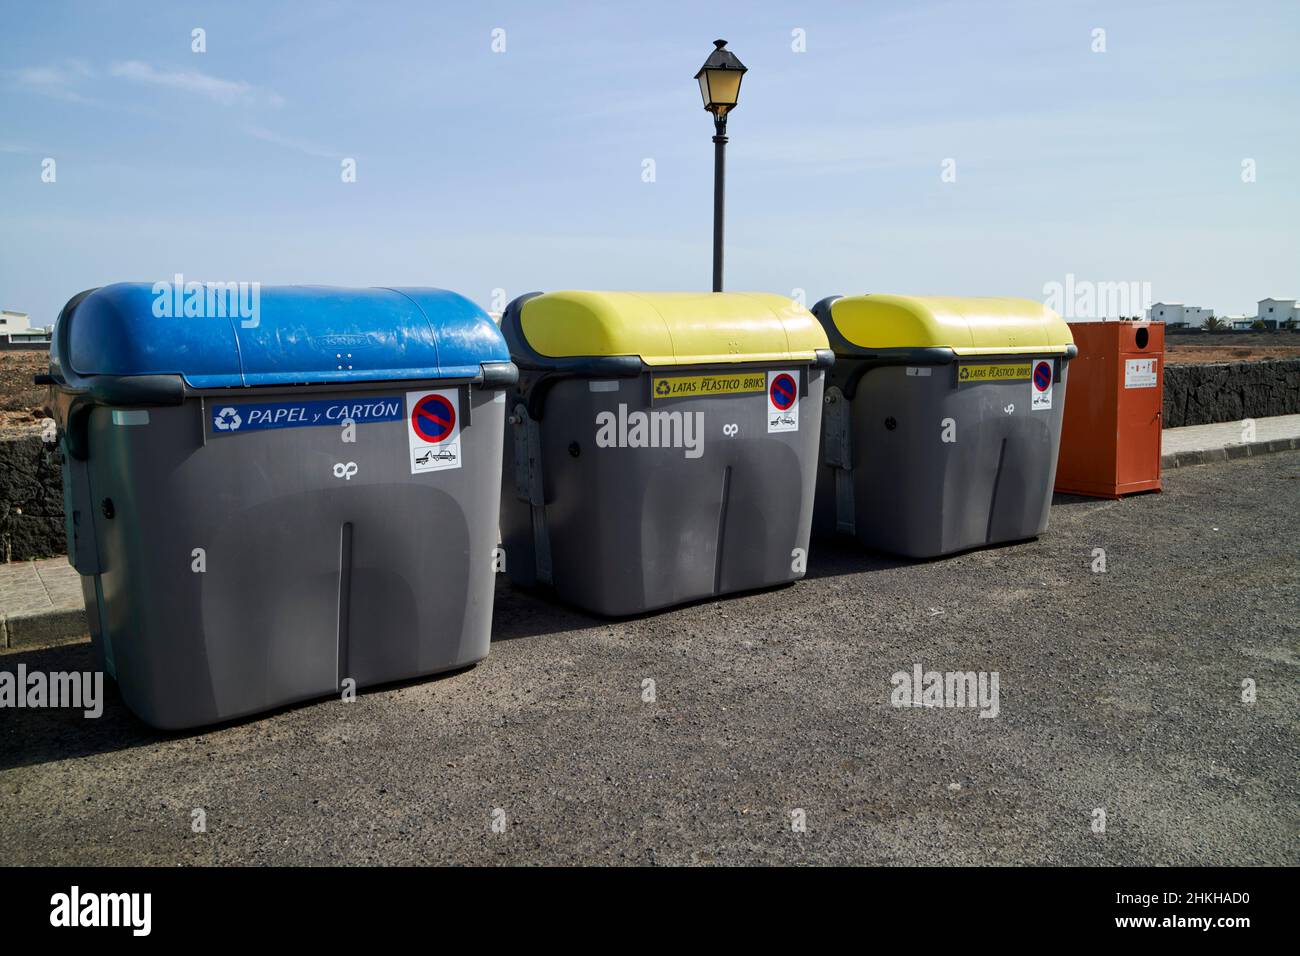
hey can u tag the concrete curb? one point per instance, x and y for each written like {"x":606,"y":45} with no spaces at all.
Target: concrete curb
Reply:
{"x":33,"y":628}
{"x":1204,"y":456}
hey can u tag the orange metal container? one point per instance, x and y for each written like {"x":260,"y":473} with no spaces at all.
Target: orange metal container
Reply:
{"x":1110,"y":437}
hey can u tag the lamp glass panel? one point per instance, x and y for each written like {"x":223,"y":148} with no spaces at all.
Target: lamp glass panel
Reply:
{"x":723,"y":88}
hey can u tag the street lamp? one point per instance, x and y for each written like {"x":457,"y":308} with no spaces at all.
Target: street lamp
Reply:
{"x":720,"y":78}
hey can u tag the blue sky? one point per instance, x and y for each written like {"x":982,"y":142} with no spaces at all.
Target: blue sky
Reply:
{"x":522,"y":170}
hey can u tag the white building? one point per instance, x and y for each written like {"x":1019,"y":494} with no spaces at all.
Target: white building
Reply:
{"x":11,"y":322}
{"x":1280,"y":311}
{"x":1177,"y":314}
{"x":16,"y":330}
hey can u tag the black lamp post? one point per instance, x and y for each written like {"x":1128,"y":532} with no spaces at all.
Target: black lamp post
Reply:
{"x":720,"y":78}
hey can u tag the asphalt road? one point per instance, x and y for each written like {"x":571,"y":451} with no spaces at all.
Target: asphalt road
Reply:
{"x":1118,"y":691}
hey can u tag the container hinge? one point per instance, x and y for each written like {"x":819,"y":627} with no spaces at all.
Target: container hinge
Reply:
{"x":79,"y":516}
{"x":528,"y":485}
{"x":837,"y":439}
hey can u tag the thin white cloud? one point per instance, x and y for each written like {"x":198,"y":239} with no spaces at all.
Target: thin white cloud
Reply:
{"x":56,"y":79}
{"x":290,"y":142}
{"x":226,"y":92}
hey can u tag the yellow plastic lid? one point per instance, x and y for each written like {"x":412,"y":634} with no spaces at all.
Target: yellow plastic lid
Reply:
{"x":672,"y":328}
{"x":968,"y":326}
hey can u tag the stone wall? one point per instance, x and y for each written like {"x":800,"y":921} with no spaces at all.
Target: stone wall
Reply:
{"x":31,"y":497}
{"x":1201,"y":394}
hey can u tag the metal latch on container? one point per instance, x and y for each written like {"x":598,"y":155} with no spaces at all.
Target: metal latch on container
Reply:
{"x":837,"y":439}
{"x":528,"y":457}
{"x":528,"y":484}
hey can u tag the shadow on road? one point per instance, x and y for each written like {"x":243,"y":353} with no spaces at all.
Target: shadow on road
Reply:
{"x":840,"y":554}
{"x":46,"y":734}
{"x":57,"y":733}
{"x":530,"y":612}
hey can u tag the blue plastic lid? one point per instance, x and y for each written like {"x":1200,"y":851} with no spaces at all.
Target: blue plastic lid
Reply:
{"x":217,"y":337}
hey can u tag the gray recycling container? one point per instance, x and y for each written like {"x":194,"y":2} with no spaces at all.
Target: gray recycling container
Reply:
{"x":662,"y":446}
{"x":942,"y":422}
{"x":264,"y":504}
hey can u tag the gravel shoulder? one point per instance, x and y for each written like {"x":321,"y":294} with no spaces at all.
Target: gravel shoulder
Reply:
{"x":20,"y":397}
{"x":1206,"y":348}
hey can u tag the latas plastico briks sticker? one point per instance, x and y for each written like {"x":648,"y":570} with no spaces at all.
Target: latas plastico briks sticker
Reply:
{"x":702,"y":386}
{"x":993,"y":373}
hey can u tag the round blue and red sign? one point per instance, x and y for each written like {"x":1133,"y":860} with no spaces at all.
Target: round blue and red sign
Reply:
{"x":1043,"y":376}
{"x":433,"y":418}
{"x":783,"y":391}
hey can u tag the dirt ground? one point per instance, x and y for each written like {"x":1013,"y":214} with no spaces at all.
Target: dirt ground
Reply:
{"x":1206,"y":348}
{"x":20,"y":399}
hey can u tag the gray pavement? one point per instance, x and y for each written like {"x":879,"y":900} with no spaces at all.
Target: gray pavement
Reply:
{"x":1119,"y":692}
{"x":1198,"y":444}
{"x":40,"y":603}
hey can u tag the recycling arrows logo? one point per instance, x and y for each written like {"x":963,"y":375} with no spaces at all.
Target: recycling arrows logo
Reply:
{"x":662,"y":387}
{"x":227,"y":420}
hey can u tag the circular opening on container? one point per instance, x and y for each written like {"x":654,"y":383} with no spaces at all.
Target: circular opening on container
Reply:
{"x":1142,"y":337}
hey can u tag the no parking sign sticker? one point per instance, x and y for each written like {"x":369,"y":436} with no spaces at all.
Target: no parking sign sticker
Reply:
{"x":783,"y":401}
{"x":433,"y":429}
{"x":1040,"y":386}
